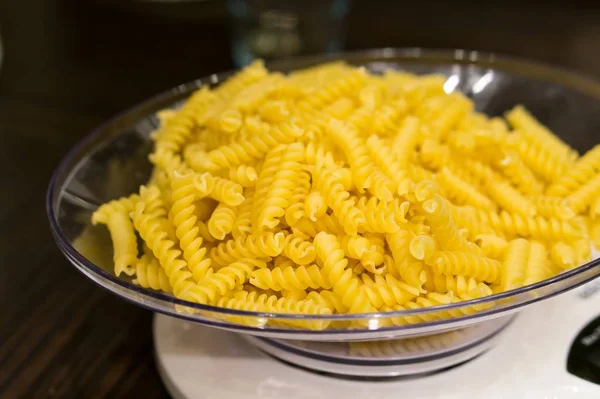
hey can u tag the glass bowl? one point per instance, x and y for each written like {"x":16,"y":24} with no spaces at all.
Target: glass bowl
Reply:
{"x":113,"y":161}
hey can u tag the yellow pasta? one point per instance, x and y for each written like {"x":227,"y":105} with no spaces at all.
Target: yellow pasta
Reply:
{"x":298,"y":249}
{"x":315,"y":205}
{"x":463,"y":193}
{"x":150,"y":274}
{"x":582,"y":171}
{"x":510,"y":199}
{"x":219,"y":284}
{"x":333,"y":190}
{"x":148,"y":218}
{"x":279,"y":195}
{"x":186,"y":189}
{"x":262,"y":245}
{"x":221,"y":221}
{"x":515,"y":264}
{"x":538,"y":264}
{"x":296,"y":210}
{"x":115,"y":215}
{"x":290,"y":278}
{"x":339,"y":200}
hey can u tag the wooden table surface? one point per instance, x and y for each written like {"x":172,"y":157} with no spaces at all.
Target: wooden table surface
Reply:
{"x":68,"y":66}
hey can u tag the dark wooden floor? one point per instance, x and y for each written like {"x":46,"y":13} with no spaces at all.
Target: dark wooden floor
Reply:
{"x":68,"y":66}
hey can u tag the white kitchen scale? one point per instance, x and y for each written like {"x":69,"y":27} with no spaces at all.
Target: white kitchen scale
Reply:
{"x":550,"y":350}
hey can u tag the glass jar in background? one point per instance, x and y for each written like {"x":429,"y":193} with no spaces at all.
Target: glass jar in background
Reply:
{"x":276,"y":29}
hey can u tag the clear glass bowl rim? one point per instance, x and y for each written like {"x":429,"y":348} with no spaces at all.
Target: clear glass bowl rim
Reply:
{"x":523,"y":66}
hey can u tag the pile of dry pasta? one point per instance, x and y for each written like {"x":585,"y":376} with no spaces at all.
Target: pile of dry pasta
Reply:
{"x":331,"y":190}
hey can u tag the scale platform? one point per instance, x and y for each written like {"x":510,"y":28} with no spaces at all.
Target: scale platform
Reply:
{"x":549,"y":350}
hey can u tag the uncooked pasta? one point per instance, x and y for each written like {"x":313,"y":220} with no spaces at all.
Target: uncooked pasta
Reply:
{"x":333,"y":190}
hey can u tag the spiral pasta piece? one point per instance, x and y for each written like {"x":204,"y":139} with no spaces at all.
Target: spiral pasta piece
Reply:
{"x":315,"y":205}
{"x":279,"y":195}
{"x":185,"y":192}
{"x":339,"y":200}
{"x":298,"y":249}
{"x":260,"y":245}
{"x":150,"y":274}
{"x":538,"y":264}
{"x":328,"y":299}
{"x":266,"y":178}
{"x":457,"y":285}
{"x":221,"y":221}
{"x":372,"y":259}
{"x":548,"y":229}
{"x":251,"y":301}
{"x":347,"y":84}
{"x":583,"y":249}
{"x":226,"y":191}
{"x":405,"y":141}
{"x":177,"y":129}
{"x":423,"y":247}
{"x":290,"y":278}
{"x":510,"y":199}
{"x":244,"y":175}
{"x":554,"y":207}
{"x":219,"y":284}
{"x":388,"y":291}
{"x":385,"y":160}
{"x":434,"y":155}
{"x":463,"y":193}
{"x":115,"y":215}
{"x":124,"y":243}
{"x":381,"y":186}
{"x":123,"y":205}
{"x":442,"y":224}
{"x":344,"y":282}
{"x":580,"y":199}
{"x":467,"y":264}
{"x":473,"y":171}
{"x":275,"y":111}
{"x":423,"y":191}
{"x":296,"y":209}
{"x":354,"y":246}
{"x":465,"y":217}
{"x":234,"y":85}
{"x":382,"y":216}
{"x":581,"y":172}
{"x":595,"y":209}
{"x":406,"y":266}
{"x":563,"y":255}
{"x":340,"y":108}
{"x":252,"y":148}
{"x":430,"y":300}
{"x":493,"y":246}
{"x":255,"y":94}
{"x":356,"y":152}
{"x":519,"y":175}
{"x":458,"y":107}
{"x":242,"y":225}
{"x":536,"y":157}
{"x":530,"y":127}
{"x":515,"y":264}
{"x":149,"y":226}
{"x":328,"y":223}
{"x":230,"y":121}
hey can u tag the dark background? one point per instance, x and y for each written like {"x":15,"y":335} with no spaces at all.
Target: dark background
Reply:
{"x":68,"y":66}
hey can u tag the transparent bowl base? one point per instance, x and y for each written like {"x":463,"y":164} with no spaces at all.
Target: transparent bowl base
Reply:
{"x":385,"y":358}
{"x":388,"y":358}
